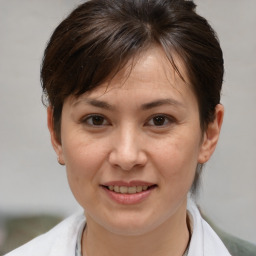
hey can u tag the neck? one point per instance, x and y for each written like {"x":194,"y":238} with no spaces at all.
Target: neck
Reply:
{"x":170,"y":238}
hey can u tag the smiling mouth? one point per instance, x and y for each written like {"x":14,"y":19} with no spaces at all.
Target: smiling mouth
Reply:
{"x":129,"y":190}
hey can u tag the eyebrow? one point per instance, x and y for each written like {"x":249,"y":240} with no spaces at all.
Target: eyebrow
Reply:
{"x":145,"y":106}
{"x":96,"y":103}
{"x":161,"y":102}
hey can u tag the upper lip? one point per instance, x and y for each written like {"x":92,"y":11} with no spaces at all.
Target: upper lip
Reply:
{"x":132,"y":183}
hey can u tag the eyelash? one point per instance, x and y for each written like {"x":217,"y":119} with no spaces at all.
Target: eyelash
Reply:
{"x":88,"y":120}
{"x":165,"y":120}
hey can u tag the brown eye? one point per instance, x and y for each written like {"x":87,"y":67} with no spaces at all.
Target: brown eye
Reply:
{"x":96,"y":120}
{"x":160,"y":120}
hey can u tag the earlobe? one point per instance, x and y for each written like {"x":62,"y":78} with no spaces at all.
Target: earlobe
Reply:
{"x":55,"y":142}
{"x":211,"y":135}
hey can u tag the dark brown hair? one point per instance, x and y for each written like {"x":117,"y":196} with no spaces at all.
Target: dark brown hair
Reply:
{"x":100,"y":36}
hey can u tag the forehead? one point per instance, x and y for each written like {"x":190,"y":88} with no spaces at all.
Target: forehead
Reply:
{"x":150,"y":72}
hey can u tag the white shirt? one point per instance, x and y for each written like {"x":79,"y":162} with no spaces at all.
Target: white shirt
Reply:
{"x":62,"y":239}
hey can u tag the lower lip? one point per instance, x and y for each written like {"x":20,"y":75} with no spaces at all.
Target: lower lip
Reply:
{"x":128,"y":198}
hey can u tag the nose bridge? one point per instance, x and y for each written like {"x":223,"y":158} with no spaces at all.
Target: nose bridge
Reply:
{"x":128,"y":142}
{"x":127,"y":150}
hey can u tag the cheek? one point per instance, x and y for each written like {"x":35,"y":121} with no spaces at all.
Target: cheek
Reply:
{"x":81,"y":153}
{"x":177,"y":162}
{"x":83,"y":158}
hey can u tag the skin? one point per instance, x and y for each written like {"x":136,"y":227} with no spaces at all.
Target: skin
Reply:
{"x":148,"y":130}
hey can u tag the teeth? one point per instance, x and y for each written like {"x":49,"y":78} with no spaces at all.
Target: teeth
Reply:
{"x":144,"y":187}
{"x":116,"y":189}
{"x":123,"y":190}
{"x":139,"y":189}
{"x":132,"y":190}
{"x":127,"y":190}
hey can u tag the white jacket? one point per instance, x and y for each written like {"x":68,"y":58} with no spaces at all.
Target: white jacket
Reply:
{"x":61,"y":240}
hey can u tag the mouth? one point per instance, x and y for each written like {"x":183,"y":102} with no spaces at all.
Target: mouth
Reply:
{"x":129,"y":189}
{"x":128,"y":193}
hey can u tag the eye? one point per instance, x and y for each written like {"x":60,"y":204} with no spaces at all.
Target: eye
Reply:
{"x":160,"y":120}
{"x":95,"y":120}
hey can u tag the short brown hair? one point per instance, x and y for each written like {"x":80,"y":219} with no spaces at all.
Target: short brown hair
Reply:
{"x":100,"y":36}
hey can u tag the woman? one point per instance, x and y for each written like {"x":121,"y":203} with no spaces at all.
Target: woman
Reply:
{"x":133,"y":89}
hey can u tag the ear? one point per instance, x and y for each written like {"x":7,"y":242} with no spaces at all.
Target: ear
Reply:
{"x":55,"y":142}
{"x":211,"y":135}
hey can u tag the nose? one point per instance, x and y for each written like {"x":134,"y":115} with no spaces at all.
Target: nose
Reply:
{"x":127,"y":151}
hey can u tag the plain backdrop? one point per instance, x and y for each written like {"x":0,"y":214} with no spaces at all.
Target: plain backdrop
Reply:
{"x":32,"y":182}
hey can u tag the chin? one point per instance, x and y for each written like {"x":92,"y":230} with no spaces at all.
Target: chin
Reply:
{"x":131,"y":225}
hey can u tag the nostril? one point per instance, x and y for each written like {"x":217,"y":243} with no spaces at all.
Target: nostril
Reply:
{"x":127,"y":160}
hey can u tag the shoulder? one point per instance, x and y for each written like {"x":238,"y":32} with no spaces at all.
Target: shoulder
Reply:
{"x":204,"y":240}
{"x":213,"y":243}
{"x":61,"y":240}
{"x":235,"y":245}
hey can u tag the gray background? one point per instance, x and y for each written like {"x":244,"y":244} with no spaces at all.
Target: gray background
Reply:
{"x":31,"y":181}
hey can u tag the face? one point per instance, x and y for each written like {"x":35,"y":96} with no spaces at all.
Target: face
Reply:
{"x":131,"y":147}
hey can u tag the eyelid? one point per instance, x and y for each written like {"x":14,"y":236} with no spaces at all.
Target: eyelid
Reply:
{"x":169,"y":118}
{"x":84,"y":120}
